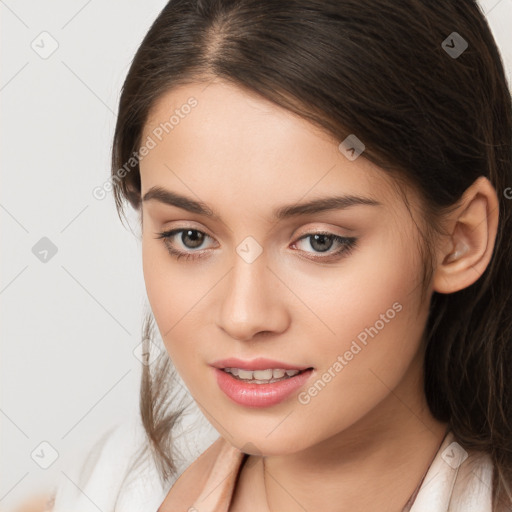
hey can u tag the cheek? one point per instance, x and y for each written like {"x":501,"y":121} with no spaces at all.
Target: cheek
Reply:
{"x":170,"y":294}
{"x":179,"y":298}
{"x":374,"y":312}
{"x":376,"y":287}
{"x":156,"y":279}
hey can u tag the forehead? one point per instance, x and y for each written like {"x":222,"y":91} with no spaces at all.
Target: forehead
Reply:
{"x":217,"y":137}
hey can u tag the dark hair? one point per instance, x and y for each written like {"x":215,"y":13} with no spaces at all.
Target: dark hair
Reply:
{"x":431,"y":119}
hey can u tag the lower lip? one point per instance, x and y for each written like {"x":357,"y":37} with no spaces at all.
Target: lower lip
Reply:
{"x":259,"y":395}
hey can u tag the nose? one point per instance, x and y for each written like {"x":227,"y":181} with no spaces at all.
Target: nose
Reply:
{"x":252,"y":301}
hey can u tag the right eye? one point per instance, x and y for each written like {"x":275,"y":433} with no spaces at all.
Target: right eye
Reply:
{"x":190,"y":239}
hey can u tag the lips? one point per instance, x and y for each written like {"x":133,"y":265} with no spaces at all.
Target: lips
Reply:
{"x":252,"y":394}
{"x":260,"y":363}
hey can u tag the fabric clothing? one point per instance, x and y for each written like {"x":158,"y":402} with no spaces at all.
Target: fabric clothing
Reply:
{"x":103,"y":478}
{"x":206,"y":482}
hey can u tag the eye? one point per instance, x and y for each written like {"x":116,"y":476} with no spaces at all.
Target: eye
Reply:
{"x":193,"y":239}
{"x":190,"y":239}
{"x":322,"y":242}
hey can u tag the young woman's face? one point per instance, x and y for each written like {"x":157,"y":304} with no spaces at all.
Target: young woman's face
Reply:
{"x":251,"y":285}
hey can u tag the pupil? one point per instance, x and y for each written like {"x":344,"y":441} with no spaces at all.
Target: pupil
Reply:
{"x":322,"y":239}
{"x":197,"y":240}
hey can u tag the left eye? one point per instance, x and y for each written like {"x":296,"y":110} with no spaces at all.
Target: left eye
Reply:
{"x":322,"y":242}
{"x":193,"y":239}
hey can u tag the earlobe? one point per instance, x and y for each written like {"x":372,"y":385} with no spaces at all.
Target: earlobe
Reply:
{"x":473,"y":232}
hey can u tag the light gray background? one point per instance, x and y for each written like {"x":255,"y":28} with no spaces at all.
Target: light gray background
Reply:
{"x":69,"y":325}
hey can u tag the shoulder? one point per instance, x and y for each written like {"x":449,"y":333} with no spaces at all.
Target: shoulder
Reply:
{"x":458,"y":480}
{"x":473,"y":486}
{"x":104,"y":474}
{"x":118,"y":472}
{"x":82,"y":477}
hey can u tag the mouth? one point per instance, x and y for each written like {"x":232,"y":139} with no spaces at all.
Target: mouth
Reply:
{"x":261,"y":370}
{"x":267,"y":376}
{"x":261,"y":388}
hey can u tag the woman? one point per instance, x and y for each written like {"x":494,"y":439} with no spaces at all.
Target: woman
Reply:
{"x":323,"y":190}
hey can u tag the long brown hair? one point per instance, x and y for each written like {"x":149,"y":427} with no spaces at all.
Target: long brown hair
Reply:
{"x":436,"y":115}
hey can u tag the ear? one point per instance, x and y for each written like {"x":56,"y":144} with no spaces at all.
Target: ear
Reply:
{"x":468,"y":247}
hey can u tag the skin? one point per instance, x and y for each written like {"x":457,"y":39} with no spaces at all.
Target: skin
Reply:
{"x":366,"y":439}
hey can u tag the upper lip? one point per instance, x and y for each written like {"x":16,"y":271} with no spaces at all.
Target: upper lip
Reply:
{"x":261,"y":363}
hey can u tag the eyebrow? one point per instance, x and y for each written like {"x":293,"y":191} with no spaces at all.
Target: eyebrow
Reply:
{"x":284,"y":212}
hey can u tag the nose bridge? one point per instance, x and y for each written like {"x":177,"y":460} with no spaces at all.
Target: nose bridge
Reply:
{"x":250,"y":303}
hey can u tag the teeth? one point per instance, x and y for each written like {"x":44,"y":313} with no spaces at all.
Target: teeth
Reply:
{"x":261,"y":375}
{"x":245,"y":374}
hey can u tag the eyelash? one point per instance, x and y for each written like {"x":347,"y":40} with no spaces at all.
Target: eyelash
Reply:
{"x":348,"y":244}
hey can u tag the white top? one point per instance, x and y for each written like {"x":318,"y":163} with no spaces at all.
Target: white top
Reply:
{"x":103,"y":481}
